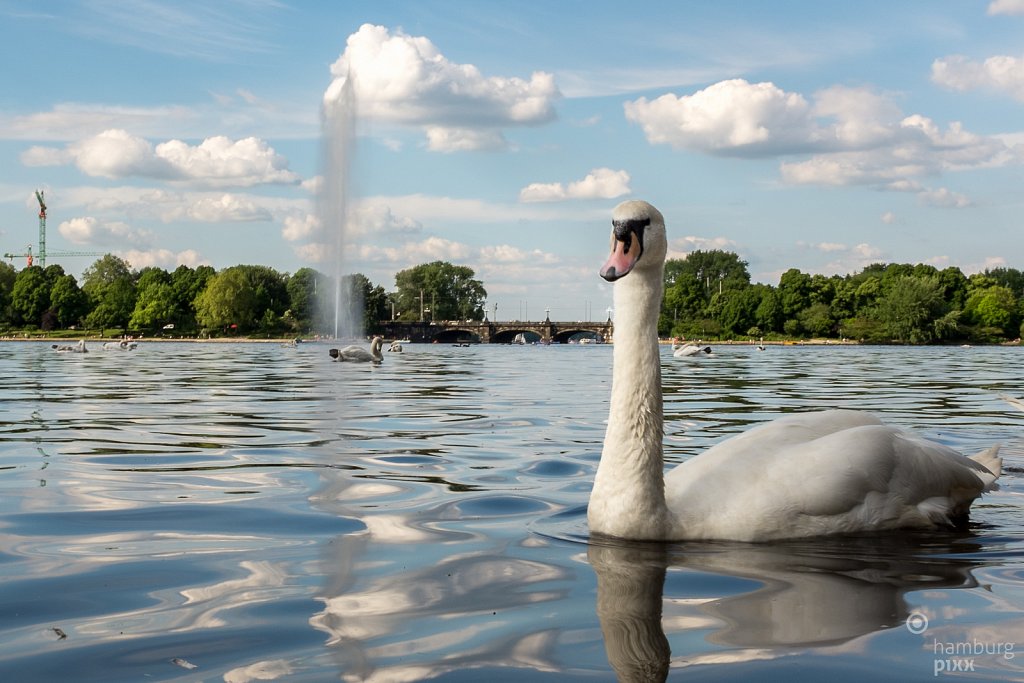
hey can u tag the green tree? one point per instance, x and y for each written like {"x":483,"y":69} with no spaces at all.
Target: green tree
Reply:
{"x":954,"y":286}
{"x":187,"y":284}
{"x":103,"y":273}
{"x":229,"y":299}
{"x":739,"y":309}
{"x":794,"y":292}
{"x":816,"y":320}
{"x":769,"y":314}
{"x":305,"y":289}
{"x":691,"y":285}
{"x":111,"y":289}
{"x":910,"y":308}
{"x":67,"y":301}
{"x":155,"y":304}
{"x":450,"y":292}
{"x":994,"y":307}
{"x":115,"y":306}
{"x":30,"y":296}
{"x":269,"y":289}
{"x":7,"y":277}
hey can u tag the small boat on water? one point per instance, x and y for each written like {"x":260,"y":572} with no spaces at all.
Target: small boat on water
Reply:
{"x":519,"y":339}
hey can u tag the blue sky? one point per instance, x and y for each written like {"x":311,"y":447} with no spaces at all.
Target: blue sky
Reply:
{"x":821,"y":136}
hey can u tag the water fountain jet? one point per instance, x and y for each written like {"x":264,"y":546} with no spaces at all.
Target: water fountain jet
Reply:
{"x":338,"y":118}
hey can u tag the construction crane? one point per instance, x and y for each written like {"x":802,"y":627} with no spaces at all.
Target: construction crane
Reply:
{"x":42,"y":229}
{"x":40,"y":255}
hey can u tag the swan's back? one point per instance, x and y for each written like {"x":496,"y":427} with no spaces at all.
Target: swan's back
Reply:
{"x":823,"y":473}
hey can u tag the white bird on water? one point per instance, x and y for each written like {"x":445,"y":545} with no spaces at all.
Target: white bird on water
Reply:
{"x":686,"y":350}
{"x":807,"y":474}
{"x":357,"y":354}
{"x":76,"y":348}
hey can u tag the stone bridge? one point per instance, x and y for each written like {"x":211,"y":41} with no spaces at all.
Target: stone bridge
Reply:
{"x":486,"y":332}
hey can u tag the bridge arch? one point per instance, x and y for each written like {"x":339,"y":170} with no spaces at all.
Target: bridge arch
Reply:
{"x":508,"y":334}
{"x":565,"y":336}
{"x":456,"y":335}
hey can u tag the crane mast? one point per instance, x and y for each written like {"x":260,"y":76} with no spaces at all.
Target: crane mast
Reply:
{"x":40,"y":257}
{"x":42,"y":230}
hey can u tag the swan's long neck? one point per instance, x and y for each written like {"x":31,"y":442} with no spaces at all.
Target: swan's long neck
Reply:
{"x":628,"y":499}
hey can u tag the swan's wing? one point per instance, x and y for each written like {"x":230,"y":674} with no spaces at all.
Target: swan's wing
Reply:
{"x":354,"y":353}
{"x":822,"y":473}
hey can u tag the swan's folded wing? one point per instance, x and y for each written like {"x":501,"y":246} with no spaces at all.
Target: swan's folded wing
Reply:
{"x":784,"y":481}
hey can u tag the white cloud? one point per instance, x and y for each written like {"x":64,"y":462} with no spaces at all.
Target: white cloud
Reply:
{"x":888,"y":218}
{"x":142,"y":203}
{"x":314,"y":252}
{"x":221,"y":161}
{"x":403,"y":79}
{"x":844,"y":258}
{"x":88,"y":230}
{"x":679,"y":248}
{"x":376,"y":218}
{"x":1006,"y":7}
{"x":441,"y":139}
{"x":729,"y":117}
{"x":162,"y":258}
{"x":1000,"y":73}
{"x":507,"y":254}
{"x":600,"y":183}
{"x":227,"y":208}
{"x":300,"y":227}
{"x":944,"y":198}
{"x":431,"y":249}
{"x":217,"y":161}
{"x":854,"y":135}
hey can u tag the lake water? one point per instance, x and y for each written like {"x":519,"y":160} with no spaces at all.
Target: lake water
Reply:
{"x":250,"y":512}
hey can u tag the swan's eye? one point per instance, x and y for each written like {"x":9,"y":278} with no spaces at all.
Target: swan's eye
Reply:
{"x":624,"y":231}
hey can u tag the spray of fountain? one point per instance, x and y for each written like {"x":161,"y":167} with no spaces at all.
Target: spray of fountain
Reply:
{"x":338,"y":118}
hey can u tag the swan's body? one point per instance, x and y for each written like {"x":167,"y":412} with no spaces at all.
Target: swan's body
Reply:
{"x":123,"y":345}
{"x":687,"y":350}
{"x":357,"y":354}
{"x":806,"y":474}
{"x":75,"y":348}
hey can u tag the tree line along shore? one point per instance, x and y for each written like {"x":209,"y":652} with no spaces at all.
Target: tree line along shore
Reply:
{"x":708,"y":296}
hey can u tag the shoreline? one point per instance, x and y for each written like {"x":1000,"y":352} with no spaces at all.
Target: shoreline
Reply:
{"x":289,"y":340}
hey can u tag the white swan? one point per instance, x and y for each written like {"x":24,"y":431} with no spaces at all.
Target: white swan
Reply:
{"x":357,"y":354}
{"x":76,"y":348}
{"x":803,"y":475}
{"x":687,"y":350}
{"x":123,"y":345}
{"x":396,"y":346}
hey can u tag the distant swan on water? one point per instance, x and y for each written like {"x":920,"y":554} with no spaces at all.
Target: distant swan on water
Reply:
{"x":123,"y":345}
{"x":806,"y":474}
{"x":72,"y":348}
{"x":684,"y":350}
{"x":396,"y":346}
{"x":357,"y":354}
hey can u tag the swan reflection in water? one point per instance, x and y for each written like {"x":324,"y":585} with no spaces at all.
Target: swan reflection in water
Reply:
{"x":809,"y":593}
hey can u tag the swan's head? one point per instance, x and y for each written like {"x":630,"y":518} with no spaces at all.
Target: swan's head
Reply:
{"x":638,"y":240}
